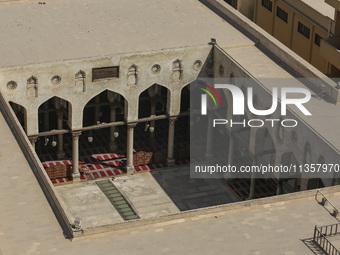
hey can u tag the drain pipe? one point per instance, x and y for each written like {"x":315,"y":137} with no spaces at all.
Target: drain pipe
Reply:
{"x":328,"y":36}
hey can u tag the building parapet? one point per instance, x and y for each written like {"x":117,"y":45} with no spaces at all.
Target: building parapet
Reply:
{"x":277,"y":49}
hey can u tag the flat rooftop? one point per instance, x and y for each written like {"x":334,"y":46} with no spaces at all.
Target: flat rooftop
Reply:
{"x":31,"y":32}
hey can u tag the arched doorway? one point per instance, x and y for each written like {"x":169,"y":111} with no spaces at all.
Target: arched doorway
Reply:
{"x":108,"y":107}
{"x":54,"y":117}
{"x":151,"y":132}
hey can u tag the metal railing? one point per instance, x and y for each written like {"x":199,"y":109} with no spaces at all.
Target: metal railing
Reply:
{"x":320,"y":238}
{"x":324,"y":201}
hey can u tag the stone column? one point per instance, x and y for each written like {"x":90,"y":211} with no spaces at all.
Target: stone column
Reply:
{"x":231,"y":149}
{"x":253,"y":182}
{"x":210,"y":136}
{"x":130,"y":169}
{"x":228,"y":177}
{"x":113,"y":143}
{"x":171,"y":138}
{"x":279,"y":187}
{"x":60,"y":151}
{"x":75,"y":155}
{"x":33,"y":140}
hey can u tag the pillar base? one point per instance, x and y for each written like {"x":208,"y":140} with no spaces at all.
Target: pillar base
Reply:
{"x":61,"y":155}
{"x":170,"y":162}
{"x":76,"y":177}
{"x":252,"y":189}
{"x":130,"y":170}
{"x":279,"y":188}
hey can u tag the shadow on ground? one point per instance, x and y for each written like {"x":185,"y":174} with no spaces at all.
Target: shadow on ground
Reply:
{"x":189,"y":193}
{"x":314,"y":247}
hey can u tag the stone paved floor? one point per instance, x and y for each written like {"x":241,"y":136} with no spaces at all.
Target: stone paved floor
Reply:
{"x":151,"y":194}
{"x":87,"y":202}
{"x":145,"y":194}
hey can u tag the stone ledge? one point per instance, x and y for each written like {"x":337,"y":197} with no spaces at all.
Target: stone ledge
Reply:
{"x":207,"y":212}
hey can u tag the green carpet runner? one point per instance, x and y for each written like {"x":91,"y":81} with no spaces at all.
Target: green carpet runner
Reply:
{"x":116,"y":198}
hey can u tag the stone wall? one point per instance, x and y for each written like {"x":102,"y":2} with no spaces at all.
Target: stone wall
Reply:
{"x":30,"y":86}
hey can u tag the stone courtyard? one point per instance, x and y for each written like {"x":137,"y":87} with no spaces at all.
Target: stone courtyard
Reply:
{"x":151,"y":194}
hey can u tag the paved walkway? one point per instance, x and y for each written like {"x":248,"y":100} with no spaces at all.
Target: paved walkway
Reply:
{"x":87,"y":202}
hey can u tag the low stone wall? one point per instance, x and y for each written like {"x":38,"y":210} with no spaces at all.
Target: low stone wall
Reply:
{"x":207,"y":212}
{"x":276,"y":48}
{"x":59,"y":209}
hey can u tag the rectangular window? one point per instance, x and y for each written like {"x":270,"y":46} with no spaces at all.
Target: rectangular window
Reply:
{"x":317,"y":40}
{"x":105,"y":73}
{"x":302,"y":29}
{"x":282,"y":14}
{"x":267,"y":4}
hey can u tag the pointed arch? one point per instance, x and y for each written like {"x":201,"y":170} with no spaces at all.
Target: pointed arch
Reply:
{"x":97,"y":109}
{"x":154,"y":100}
{"x":80,"y":75}
{"x":185,"y":99}
{"x":48,"y":114}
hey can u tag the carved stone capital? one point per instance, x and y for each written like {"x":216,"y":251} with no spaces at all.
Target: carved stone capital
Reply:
{"x":172,"y":119}
{"x":75,"y":135}
{"x":131,"y":125}
{"x":33,"y":139}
